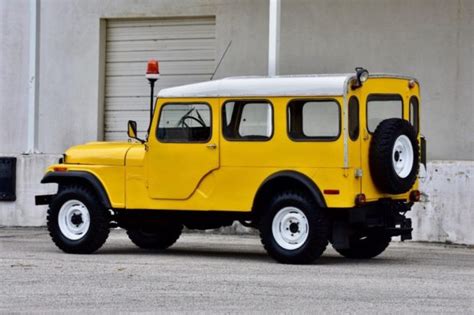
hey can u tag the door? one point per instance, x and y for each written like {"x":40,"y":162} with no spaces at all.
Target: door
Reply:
{"x":377,"y":106}
{"x":183,"y":149}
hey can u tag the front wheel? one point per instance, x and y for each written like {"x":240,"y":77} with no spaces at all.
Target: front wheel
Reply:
{"x":76,"y":221}
{"x":294,"y":229}
{"x":365,"y":247}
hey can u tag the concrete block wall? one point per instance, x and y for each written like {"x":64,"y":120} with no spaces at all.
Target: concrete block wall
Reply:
{"x":446,"y":212}
{"x":29,"y":172}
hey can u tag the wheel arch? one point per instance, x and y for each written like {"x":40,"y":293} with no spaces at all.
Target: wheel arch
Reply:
{"x":284,"y":180}
{"x":79,"y":177}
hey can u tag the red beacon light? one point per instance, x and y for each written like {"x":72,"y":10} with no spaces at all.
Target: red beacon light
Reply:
{"x":152,"y":70}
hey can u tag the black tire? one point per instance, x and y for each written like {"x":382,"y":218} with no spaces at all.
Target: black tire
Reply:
{"x":318,"y":229}
{"x":381,"y":154}
{"x":365,"y":247}
{"x":95,"y":236}
{"x":155,"y":237}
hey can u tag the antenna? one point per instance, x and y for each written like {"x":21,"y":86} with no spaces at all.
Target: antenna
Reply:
{"x":222,"y":57}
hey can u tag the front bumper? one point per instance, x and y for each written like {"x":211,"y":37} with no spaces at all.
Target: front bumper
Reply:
{"x":43,"y":199}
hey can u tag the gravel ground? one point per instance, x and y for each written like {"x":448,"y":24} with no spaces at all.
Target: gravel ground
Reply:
{"x":228,"y":274}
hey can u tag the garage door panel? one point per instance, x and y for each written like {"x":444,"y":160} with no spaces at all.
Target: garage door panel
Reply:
{"x":166,"y":67}
{"x":118,"y":120}
{"x":161,"y":32}
{"x":145,"y":22}
{"x":137,"y":103}
{"x":138,"y":85}
{"x":154,"y":45}
{"x":172,"y":55}
{"x":185,"y":48}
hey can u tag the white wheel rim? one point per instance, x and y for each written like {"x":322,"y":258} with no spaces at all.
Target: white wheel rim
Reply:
{"x":74,"y":219}
{"x":290,"y":228}
{"x":402,"y":156}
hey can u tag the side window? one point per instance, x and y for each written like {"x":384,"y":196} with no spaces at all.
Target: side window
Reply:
{"x":414,"y":113}
{"x":353,"y":118}
{"x":313,"y":120}
{"x":247,"y":120}
{"x":381,"y":107}
{"x":184,"y":123}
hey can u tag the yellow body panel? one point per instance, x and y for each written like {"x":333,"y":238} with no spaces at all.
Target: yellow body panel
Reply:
{"x":112,"y":179}
{"x":98,"y":153}
{"x":186,"y":176}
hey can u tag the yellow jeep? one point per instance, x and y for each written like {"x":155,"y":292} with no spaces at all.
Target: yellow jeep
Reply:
{"x":306,"y":160}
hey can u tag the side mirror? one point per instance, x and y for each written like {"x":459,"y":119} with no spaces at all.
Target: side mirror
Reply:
{"x":132,"y":130}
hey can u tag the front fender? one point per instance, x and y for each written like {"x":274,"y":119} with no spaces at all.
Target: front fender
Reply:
{"x":79,"y":177}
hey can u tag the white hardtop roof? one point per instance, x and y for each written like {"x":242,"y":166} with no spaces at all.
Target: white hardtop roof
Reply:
{"x":298,"y":85}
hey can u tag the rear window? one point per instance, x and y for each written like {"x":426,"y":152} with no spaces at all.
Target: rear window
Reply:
{"x":381,"y":107}
{"x":354,"y":118}
{"x":414,"y":113}
{"x":313,"y":120}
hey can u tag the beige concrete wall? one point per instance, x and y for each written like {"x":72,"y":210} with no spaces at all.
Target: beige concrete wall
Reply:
{"x":429,"y":39}
{"x":14,"y":40}
{"x":432,"y":40}
{"x":70,"y":69}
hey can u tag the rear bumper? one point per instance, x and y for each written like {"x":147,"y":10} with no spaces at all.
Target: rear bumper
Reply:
{"x":384,"y":216}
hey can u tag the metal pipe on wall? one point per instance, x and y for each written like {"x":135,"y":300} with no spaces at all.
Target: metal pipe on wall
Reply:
{"x":32,"y":141}
{"x":274,"y":37}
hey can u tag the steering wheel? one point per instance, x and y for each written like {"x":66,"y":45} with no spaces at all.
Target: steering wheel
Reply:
{"x":182,"y":121}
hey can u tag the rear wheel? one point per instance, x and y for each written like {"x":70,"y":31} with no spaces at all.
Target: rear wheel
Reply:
{"x":76,"y":220}
{"x":294,"y":230}
{"x":155,"y":237}
{"x":365,"y":247}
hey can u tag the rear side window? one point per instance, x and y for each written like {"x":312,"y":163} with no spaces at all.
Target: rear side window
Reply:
{"x":381,"y":107}
{"x":313,"y":120}
{"x":184,"y":123}
{"x":247,"y":120}
{"x":354,"y":118}
{"x":414,"y":113}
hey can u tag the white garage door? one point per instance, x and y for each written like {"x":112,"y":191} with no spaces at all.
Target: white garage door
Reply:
{"x":185,"y":48}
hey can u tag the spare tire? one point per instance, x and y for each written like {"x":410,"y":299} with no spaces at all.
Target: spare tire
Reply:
{"x":394,"y":156}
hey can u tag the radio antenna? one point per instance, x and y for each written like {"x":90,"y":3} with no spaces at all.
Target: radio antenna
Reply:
{"x":220,"y":61}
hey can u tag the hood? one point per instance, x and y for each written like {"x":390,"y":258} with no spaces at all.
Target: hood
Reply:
{"x":98,"y":153}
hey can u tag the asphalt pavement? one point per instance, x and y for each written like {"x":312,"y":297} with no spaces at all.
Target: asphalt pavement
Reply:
{"x":211,"y":273}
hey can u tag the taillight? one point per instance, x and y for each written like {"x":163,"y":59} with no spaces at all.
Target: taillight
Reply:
{"x":360,"y":200}
{"x":415,"y":195}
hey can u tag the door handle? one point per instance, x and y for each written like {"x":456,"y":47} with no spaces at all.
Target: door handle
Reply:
{"x":212,"y":146}
{"x":366,"y":135}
